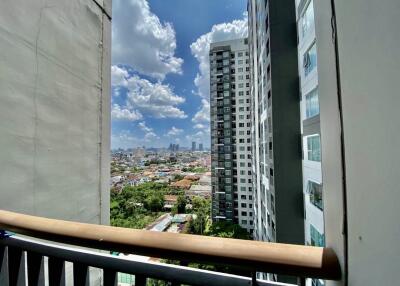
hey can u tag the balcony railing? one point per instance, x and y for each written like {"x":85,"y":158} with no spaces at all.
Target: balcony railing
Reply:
{"x":252,"y":256}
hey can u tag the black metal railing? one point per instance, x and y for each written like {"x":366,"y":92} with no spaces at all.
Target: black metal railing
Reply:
{"x":29,"y":259}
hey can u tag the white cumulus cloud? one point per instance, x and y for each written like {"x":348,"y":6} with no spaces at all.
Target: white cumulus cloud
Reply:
{"x":144,"y":97}
{"x":155,"y":99}
{"x":119,"y":113}
{"x":203,"y":115}
{"x":149,"y":132}
{"x":118,"y":76}
{"x":150,"y":137}
{"x":200,"y":50}
{"x":201,"y":47}
{"x":200,"y":126}
{"x":142,"y":41}
{"x":142,"y":125}
{"x":174,"y":131}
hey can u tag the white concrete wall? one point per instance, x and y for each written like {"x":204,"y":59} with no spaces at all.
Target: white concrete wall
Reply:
{"x":242,"y":48}
{"x":369,"y":39}
{"x":54,"y":108}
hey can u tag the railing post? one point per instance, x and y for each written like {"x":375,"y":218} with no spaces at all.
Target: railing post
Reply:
{"x":254,"y":278}
{"x":110,"y":277}
{"x":35,"y":269}
{"x":301,"y":281}
{"x":81,"y":275}
{"x":140,"y":280}
{"x":16,"y":266}
{"x":3,"y":266}
{"x":56,"y":272}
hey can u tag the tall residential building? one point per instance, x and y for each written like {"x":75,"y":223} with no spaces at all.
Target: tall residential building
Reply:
{"x":232,"y":190}
{"x":278,"y":199}
{"x":193,"y":146}
{"x":310,"y":125}
{"x":201,"y":147}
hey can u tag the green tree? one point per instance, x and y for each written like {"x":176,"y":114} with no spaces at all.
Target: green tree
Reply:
{"x":155,"y":202}
{"x":228,"y":230}
{"x":181,"y":204}
{"x":201,"y":209}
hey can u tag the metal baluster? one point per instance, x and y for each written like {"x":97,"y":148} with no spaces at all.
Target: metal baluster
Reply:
{"x":301,"y":281}
{"x":254,"y":278}
{"x":81,"y":275}
{"x":3,"y":266}
{"x":110,"y":277}
{"x":56,"y":272}
{"x":140,"y":280}
{"x":16,"y":266}
{"x":35,"y":269}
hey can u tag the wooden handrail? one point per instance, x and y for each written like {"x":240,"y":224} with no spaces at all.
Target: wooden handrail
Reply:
{"x":288,"y":259}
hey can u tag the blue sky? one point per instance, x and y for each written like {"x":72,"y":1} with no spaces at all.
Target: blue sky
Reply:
{"x":160,"y":77}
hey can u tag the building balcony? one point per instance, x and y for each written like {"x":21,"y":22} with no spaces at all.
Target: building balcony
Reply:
{"x":249,"y":256}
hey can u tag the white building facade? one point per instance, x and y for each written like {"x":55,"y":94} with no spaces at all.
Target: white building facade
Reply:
{"x":310,"y":126}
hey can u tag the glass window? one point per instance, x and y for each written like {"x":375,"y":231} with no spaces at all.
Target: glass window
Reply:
{"x":312,"y":104}
{"x":314,"y":148}
{"x":225,"y":62}
{"x":307,"y":20}
{"x":317,"y":239}
{"x":240,"y":62}
{"x":310,"y":59}
{"x":315,"y":191}
{"x":240,"y":54}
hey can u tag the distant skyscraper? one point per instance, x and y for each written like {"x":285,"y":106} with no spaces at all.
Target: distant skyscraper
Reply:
{"x":231,"y":133}
{"x":201,"y":147}
{"x":193,"y":146}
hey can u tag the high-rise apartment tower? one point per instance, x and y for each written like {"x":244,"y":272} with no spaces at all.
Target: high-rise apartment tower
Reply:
{"x":278,"y":196}
{"x":230,"y":133}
